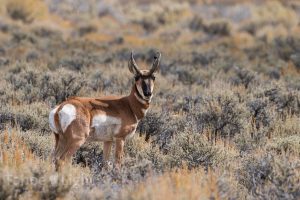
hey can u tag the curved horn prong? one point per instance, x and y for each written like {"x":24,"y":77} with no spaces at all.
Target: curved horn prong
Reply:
{"x":155,"y":64}
{"x":133,"y":68}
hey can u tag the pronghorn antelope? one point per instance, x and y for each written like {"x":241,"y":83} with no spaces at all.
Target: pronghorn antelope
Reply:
{"x":109,"y":119}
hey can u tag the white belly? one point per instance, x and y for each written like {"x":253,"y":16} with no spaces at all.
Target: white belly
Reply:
{"x":105,"y":127}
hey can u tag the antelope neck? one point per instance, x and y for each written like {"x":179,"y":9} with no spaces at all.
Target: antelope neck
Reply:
{"x":137,"y":104}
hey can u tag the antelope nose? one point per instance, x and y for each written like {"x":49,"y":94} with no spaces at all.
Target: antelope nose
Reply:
{"x":148,"y":94}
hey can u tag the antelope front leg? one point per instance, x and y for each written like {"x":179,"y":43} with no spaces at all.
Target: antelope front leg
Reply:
{"x":106,"y":153}
{"x":119,"y":152}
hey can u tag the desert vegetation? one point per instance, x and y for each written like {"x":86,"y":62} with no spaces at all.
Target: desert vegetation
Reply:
{"x":224,"y":121}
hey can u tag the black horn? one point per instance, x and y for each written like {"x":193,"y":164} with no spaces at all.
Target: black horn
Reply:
{"x":155,"y":64}
{"x":133,"y":68}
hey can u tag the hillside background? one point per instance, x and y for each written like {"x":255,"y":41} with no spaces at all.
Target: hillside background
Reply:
{"x":225,"y":118}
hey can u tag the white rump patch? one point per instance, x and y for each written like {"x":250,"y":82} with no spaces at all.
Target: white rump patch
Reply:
{"x":66,"y":115}
{"x":51,"y":120}
{"x":106,"y":127}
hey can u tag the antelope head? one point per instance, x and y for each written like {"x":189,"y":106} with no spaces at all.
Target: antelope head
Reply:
{"x":144,"y":79}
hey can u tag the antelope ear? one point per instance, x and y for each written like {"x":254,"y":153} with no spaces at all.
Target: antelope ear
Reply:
{"x":132,"y":66}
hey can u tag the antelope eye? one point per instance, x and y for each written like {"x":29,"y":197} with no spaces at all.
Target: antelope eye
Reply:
{"x":153,"y":78}
{"x":136,"y":78}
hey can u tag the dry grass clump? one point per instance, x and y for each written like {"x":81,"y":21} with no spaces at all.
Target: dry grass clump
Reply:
{"x":26,"y":11}
{"x":287,"y":126}
{"x":38,"y":86}
{"x":24,"y":121}
{"x":26,"y":116}
{"x":222,"y":117}
{"x":260,"y":113}
{"x":180,"y":184}
{"x":275,"y":12}
{"x":271,"y":177}
{"x":286,"y":101}
{"x":156,"y":16}
{"x":26,"y":175}
{"x":287,"y":46}
{"x":154,"y":125}
{"x":244,"y":77}
{"x":140,"y":152}
{"x":46,"y":33}
{"x":193,"y":150}
{"x":221,"y":28}
{"x":289,"y":144}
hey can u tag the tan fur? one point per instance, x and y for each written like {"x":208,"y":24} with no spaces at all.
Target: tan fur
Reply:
{"x":129,"y":109}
